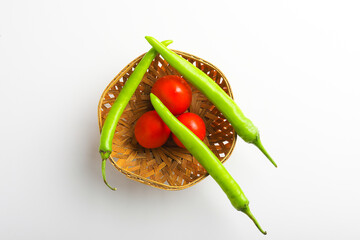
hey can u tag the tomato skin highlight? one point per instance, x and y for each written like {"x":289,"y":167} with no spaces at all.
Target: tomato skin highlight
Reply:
{"x":174,"y":92}
{"x":193,"y":122}
{"x":151,"y":131}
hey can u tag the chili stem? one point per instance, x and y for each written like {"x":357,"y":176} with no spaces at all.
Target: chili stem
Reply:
{"x":259,"y":145}
{"x":251,"y":216}
{"x":104,"y":175}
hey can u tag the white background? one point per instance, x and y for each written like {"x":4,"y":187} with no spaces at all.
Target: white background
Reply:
{"x":294,"y":67}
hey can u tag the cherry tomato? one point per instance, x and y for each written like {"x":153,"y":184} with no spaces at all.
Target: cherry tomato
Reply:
{"x":151,"y":131}
{"x":174,"y":92}
{"x":193,"y":122}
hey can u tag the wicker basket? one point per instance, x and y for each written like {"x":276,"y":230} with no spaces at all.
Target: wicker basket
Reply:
{"x":168,"y":167}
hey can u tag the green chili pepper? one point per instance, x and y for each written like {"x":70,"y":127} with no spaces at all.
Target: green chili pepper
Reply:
{"x":109,"y":127}
{"x":206,"y":158}
{"x":242,"y":125}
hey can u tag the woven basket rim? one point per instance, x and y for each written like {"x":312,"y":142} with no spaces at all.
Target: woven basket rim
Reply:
{"x":141,"y":178}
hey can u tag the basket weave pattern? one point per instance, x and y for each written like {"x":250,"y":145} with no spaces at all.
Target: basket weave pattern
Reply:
{"x":168,"y":167}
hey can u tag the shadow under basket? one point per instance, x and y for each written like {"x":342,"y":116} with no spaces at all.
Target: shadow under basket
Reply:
{"x":168,"y":167}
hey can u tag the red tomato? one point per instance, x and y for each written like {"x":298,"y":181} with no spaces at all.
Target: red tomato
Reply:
{"x":193,"y":122}
{"x":174,"y":92}
{"x":151,"y":131}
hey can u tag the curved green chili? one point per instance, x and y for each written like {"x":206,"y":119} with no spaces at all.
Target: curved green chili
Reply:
{"x":242,"y":125}
{"x":109,"y":127}
{"x":206,"y":158}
